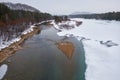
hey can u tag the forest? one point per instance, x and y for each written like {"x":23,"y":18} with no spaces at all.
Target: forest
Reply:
{"x":104,"y":16}
{"x":14,"y":22}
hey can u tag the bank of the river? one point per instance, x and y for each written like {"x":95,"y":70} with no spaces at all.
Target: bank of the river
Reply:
{"x":8,"y":51}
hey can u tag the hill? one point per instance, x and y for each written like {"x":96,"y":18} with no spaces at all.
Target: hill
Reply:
{"x":14,"y":22}
{"x":21,"y":13}
{"x":104,"y":16}
{"x":19,"y":6}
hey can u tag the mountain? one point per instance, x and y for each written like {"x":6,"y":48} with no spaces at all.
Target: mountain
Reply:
{"x":19,"y":6}
{"x":80,"y":13}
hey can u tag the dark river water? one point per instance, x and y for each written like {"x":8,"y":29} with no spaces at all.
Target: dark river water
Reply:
{"x":40,"y":59}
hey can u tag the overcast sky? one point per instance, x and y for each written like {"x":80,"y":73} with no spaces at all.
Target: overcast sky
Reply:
{"x":70,"y":6}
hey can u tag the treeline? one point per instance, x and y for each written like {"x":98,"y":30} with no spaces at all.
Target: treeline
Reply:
{"x":14,"y":22}
{"x":60,"y":18}
{"x":8,"y":16}
{"x":105,"y":16}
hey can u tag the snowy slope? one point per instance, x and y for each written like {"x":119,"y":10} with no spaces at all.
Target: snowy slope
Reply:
{"x":19,"y":6}
{"x":102,"y":61}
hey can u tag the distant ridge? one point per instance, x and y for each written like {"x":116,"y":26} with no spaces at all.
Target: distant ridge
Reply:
{"x":80,"y":13}
{"x":104,"y":16}
{"x":19,"y":6}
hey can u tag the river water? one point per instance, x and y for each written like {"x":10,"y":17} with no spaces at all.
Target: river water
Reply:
{"x":40,"y":59}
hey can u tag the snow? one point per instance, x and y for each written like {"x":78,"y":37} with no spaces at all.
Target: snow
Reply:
{"x":55,"y":25}
{"x":102,"y":61}
{"x":93,"y":29}
{"x":19,"y":6}
{"x":4,"y":44}
{"x":3,"y":70}
{"x":71,"y":23}
{"x":28,"y":30}
{"x":58,"y":26}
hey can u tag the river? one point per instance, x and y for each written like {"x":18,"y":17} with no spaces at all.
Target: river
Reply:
{"x":91,"y":53}
{"x":41,"y":59}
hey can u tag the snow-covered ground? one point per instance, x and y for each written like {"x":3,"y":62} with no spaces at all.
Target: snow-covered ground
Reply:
{"x":102,"y":47}
{"x":64,"y":25}
{"x":3,"y":70}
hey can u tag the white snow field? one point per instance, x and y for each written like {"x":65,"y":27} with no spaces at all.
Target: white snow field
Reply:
{"x":101,"y":42}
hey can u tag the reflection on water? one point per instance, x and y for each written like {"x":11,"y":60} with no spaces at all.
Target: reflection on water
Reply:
{"x":43,"y":60}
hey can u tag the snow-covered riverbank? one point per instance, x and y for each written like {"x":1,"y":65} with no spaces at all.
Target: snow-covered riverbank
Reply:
{"x":4,"y":44}
{"x":102,"y":47}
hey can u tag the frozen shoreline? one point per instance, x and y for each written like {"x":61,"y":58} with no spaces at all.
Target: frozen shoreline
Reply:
{"x":12,"y":46}
{"x":6,"y":44}
{"x":102,"y":61}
